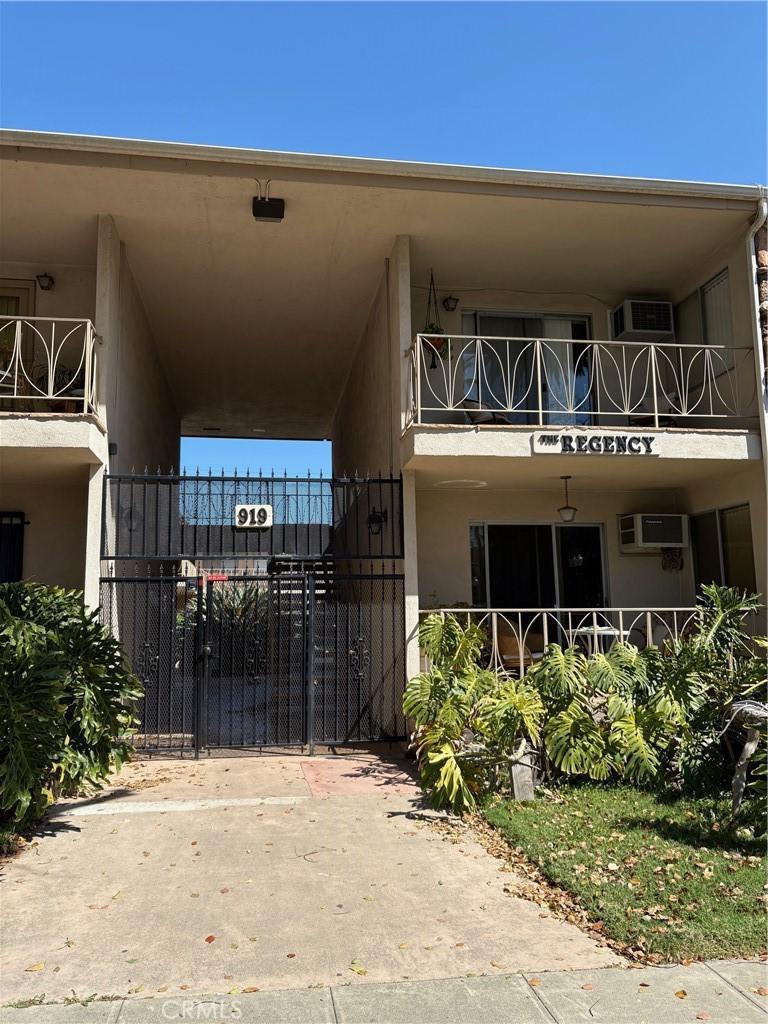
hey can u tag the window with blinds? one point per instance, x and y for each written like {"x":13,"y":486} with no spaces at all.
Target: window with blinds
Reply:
{"x":704,"y":318}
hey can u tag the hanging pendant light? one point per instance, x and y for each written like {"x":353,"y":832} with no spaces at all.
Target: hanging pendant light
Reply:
{"x":567,"y":511}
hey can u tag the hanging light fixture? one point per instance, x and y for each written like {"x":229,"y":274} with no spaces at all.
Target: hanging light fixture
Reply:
{"x":567,"y":511}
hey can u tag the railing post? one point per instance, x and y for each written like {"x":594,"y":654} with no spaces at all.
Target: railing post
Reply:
{"x":87,"y":369}
{"x":417,"y":390}
{"x":16,"y":358}
{"x":539,"y":389}
{"x":654,"y":386}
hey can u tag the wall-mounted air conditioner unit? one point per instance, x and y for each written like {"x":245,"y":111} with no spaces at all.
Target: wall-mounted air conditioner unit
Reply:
{"x":642,"y":320}
{"x":642,"y":533}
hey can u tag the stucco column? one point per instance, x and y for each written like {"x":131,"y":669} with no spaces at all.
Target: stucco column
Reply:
{"x":400,"y":328}
{"x":93,"y":536}
{"x":411,"y":573}
{"x":107,"y":312}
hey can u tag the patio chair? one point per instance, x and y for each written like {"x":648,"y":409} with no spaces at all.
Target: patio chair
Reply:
{"x":510,"y":652}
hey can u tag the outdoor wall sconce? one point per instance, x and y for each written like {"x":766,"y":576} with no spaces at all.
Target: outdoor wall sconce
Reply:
{"x":46,"y":282}
{"x":266,"y":209}
{"x":376,"y":520}
{"x":567,"y":511}
{"x":450,"y":302}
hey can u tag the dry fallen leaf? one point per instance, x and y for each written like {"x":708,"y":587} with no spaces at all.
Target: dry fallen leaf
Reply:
{"x":210,"y":938}
{"x":224,"y":890}
{"x":290,"y":955}
{"x":495,"y":963}
{"x":534,"y":982}
{"x":703,"y":1015}
{"x":35,"y":967}
{"x":644,"y":984}
{"x":681,"y":994}
{"x":762,"y":991}
{"x":250,"y":988}
{"x":587,"y":987}
{"x":358,"y":968}
{"x":163,"y":988}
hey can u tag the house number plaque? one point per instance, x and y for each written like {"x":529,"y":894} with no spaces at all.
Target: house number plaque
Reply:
{"x":253,"y":516}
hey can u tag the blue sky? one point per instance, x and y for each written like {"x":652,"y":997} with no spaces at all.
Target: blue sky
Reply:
{"x":651,"y":89}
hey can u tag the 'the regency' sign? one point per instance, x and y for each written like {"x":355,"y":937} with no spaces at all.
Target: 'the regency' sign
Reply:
{"x":570,"y":443}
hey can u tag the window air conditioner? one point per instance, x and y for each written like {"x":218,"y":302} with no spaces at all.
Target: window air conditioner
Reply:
{"x":642,"y":320}
{"x":640,"y":533}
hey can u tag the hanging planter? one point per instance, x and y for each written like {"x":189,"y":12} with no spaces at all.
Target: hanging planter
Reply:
{"x":432,"y":326}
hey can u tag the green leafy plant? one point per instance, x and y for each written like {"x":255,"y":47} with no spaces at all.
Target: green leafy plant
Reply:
{"x":470,"y":722}
{"x":66,"y":698}
{"x":603,"y":718}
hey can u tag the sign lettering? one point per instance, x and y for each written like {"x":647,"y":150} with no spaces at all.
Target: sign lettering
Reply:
{"x":571,"y":443}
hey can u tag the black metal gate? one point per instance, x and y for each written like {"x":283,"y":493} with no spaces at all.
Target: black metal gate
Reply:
{"x":281,"y":660}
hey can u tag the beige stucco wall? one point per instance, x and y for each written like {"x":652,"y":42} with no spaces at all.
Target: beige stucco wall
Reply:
{"x":362,"y":434}
{"x":54,"y":540}
{"x":444,"y":517}
{"x":370,"y":415}
{"x":73,"y":294}
{"x":140,"y":413}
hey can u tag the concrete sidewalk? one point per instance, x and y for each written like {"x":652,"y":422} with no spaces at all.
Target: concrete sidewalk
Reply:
{"x":722,"y":992}
{"x":267,"y":872}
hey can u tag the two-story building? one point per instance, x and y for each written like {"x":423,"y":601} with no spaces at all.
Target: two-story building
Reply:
{"x":545,"y":392}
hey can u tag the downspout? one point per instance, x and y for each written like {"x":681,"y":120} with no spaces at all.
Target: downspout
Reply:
{"x":756,"y":244}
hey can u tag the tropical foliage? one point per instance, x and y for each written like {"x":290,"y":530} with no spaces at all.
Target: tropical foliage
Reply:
{"x":66,"y":698}
{"x":469,"y":722}
{"x":620,"y":714}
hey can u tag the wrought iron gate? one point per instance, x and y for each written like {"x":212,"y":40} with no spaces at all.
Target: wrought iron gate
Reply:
{"x":286,"y":635}
{"x":262,"y":661}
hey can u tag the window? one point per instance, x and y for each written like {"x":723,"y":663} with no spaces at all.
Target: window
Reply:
{"x":11,"y":546}
{"x":704,"y":318}
{"x":722,"y":548}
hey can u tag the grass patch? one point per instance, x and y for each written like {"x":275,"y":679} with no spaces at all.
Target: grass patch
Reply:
{"x":658,"y":872}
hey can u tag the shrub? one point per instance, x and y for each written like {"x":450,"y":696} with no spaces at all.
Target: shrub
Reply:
{"x":470,"y":722}
{"x":635,"y":715}
{"x":66,"y":698}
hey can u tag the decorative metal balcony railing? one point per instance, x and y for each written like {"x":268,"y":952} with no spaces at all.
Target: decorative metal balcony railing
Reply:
{"x":517,"y":637}
{"x":48,"y":364}
{"x":548,"y":381}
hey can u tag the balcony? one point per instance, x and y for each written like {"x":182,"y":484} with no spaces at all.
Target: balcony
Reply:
{"x":517,"y":637}
{"x":538,"y":382}
{"x":48,"y":365}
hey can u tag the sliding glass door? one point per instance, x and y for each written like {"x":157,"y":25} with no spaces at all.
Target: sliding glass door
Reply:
{"x":504,"y":374}
{"x":537,"y":566}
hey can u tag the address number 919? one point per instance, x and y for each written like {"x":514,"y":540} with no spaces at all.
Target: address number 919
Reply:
{"x":248,"y":516}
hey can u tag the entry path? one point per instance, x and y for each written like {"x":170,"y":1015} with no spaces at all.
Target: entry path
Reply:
{"x":266,"y":872}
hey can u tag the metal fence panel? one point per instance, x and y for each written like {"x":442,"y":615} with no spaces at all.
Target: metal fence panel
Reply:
{"x":281,"y":660}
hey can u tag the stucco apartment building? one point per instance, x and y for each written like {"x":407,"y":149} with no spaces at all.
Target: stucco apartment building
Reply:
{"x":474,"y":341}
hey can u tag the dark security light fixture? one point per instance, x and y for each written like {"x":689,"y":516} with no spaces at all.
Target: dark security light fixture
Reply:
{"x":450,"y":302}
{"x":567,"y":511}
{"x":46,"y":282}
{"x":267,"y":209}
{"x":376,"y":520}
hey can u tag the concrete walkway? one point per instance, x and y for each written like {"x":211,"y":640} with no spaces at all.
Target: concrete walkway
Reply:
{"x":721,"y":992}
{"x":268,"y":873}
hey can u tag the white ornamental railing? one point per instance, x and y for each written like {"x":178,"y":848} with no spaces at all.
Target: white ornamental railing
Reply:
{"x":540,"y":381}
{"x":48,"y":364}
{"x":517,"y":637}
